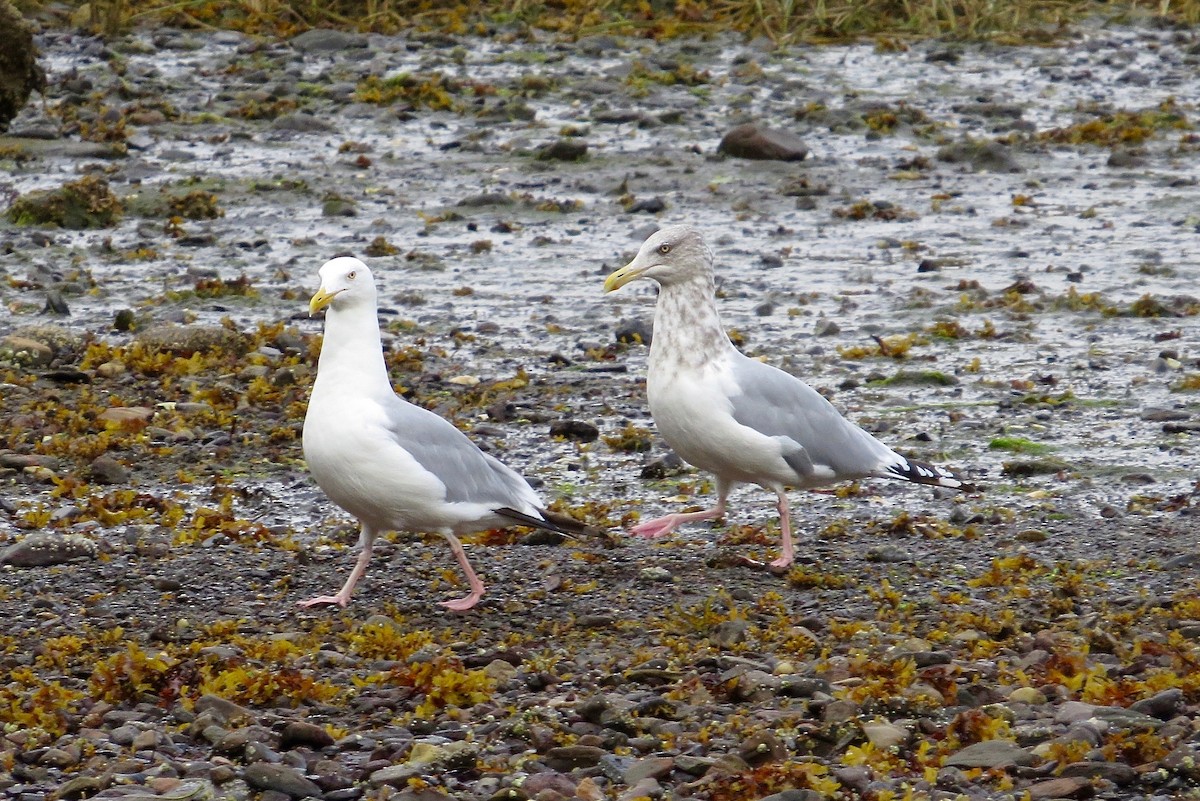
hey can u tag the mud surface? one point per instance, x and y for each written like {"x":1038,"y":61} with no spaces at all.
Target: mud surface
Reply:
{"x":988,"y":259}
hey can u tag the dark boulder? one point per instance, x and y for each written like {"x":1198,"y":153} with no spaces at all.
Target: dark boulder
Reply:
{"x":19,"y":70}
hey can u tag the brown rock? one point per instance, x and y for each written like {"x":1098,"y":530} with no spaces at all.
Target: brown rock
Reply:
{"x":1062,"y":787}
{"x":107,"y":470}
{"x":753,"y":141}
{"x":649,"y":768}
{"x":568,"y":757}
{"x":125,"y":414}
{"x":301,"y":732}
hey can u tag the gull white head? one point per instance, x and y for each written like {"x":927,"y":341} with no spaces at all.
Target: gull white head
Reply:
{"x":671,"y":255}
{"x":345,"y":282}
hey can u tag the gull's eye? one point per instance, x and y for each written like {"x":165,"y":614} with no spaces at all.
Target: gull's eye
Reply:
{"x":350,"y":275}
{"x":664,"y":249}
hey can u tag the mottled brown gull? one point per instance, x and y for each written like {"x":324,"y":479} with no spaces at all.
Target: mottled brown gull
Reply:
{"x":393,"y":465}
{"x":740,"y":419}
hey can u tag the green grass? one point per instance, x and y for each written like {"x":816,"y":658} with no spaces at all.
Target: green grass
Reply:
{"x":891,"y":22}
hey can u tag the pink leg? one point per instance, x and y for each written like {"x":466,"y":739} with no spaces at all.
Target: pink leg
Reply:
{"x":662,"y":526}
{"x":468,"y":601}
{"x":366,"y":540}
{"x":788,"y":552}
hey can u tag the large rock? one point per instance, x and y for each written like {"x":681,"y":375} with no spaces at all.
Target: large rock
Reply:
{"x":980,"y":155}
{"x":185,"y":340}
{"x":753,"y":141}
{"x":42,"y":548}
{"x":76,"y":205}
{"x":19,"y":71}
{"x":25,"y":351}
{"x":327,"y":40}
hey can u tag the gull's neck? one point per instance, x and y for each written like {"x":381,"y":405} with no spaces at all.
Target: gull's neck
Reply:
{"x":352,"y":352}
{"x":687,"y":329}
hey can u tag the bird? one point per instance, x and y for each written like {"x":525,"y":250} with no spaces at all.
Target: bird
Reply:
{"x":391,"y":464}
{"x":742,"y":420}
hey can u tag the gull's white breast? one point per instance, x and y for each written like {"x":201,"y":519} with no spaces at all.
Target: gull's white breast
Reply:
{"x":362,"y":469}
{"x":693,"y":412}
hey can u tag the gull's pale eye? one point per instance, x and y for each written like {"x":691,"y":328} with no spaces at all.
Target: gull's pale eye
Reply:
{"x":664,"y":249}
{"x":350,"y":275}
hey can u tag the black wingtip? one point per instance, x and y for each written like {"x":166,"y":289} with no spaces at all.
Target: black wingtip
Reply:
{"x":550,"y":521}
{"x":924,"y":473}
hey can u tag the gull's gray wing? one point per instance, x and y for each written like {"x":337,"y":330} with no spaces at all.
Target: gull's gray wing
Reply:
{"x":780,"y":405}
{"x":470,"y":475}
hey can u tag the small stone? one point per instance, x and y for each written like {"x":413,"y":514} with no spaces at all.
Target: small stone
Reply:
{"x":1119,"y":718}
{"x":803,"y":686}
{"x":887,"y":553}
{"x":1061,"y":787}
{"x":839,"y":711}
{"x":980,"y":155}
{"x":549,"y":780}
{"x":656,"y":573}
{"x":1027,"y":695}
{"x":762,"y":747}
{"x":563,"y":150}
{"x":326,"y":39}
{"x":1163,"y":705}
{"x":500,"y":671}
{"x":125,"y":414}
{"x":613,"y":766}
{"x":1184,"y":760}
{"x":301,"y":732}
{"x":693,"y":765}
{"x":795,"y":795}
{"x":224,"y":710}
{"x":395,"y":775}
{"x":575,"y":429}
{"x":989,"y":754}
{"x":651,"y":767}
{"x":729,"y":633}
{"x":569,"y":757}
{"x":281,"y":778}
{"x":56,"y":304}
{"x":58,"y":758}
{"x":825,"y":327}
{"x":107,"y":470}
{"x":338,"y":207}
{"x":24,"y":461}
{"x":79,"y":787}
{"x":1073,"y":712}
{"x":1118,"y":773}
{"x":589,"y":790}
{"x":753,"y":141}
{"x":145,"y":740}
{"x":885,"y":735}
{"x":650,"y":205}
{"x":110,"y":369}
{"x":634,"y":331}
{"x":486,"y":199}
{"x":669,"y":464}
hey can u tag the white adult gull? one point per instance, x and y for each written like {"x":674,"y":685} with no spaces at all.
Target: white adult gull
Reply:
{"x":393,"y":465}
{"x":740,"y":419}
